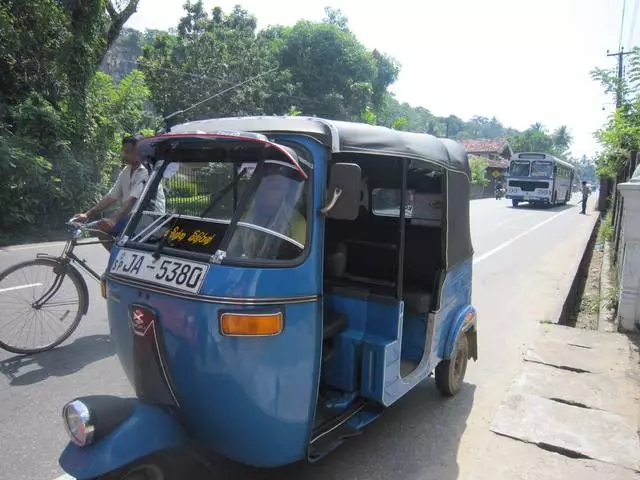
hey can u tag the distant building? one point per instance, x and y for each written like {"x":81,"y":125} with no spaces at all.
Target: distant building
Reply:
{"x":496,"y":151}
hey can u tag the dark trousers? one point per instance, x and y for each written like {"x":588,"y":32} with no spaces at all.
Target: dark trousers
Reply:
{"x":584,"y":205}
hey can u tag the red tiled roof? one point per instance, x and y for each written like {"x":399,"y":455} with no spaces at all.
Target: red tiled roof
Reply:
{"x":491,"y":163}
{"x":483,"y":146}
{"x":498,"y":163}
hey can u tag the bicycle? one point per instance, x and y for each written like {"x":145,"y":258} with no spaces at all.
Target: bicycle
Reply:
{"x":22,"y":285}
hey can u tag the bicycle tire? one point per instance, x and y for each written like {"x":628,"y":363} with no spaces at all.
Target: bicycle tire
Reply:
{"x":71,"y":274}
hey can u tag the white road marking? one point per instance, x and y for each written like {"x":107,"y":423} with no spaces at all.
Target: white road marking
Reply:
{"x":19,"y":287}
{"x":31,"y":247}
{"x":65,"y":477}
{"x":484,"y":256}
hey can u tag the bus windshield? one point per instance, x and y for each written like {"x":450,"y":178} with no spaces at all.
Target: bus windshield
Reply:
{"x":520,"y":169}
{"x":542,"y":169}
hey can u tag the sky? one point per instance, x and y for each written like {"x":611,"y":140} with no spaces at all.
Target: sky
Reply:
{"x":522,"y":61}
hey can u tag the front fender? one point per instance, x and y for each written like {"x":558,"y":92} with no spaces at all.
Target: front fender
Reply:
{"x":465,"y":321}
{"x":146,"y":430}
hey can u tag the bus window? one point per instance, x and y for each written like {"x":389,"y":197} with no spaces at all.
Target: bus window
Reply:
{"x":542,"y":169}
{"x":519,"y":169}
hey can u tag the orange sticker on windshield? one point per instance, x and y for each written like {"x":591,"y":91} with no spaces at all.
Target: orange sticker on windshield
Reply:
{"x":200,"y":237}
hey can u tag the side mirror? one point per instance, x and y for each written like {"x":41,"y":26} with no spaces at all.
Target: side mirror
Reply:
{"x":344,"y":187}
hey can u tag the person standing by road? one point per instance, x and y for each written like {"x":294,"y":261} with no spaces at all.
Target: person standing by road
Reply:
{"x":125,"y":192}
{"x":585,"y":195}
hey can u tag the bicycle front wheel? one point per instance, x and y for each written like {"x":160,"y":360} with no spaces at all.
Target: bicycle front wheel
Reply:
{"x":40,"y":305}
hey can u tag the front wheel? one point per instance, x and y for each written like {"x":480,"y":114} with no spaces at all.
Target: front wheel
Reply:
{"x":161,"y":466}
{"x":41,"y":304}
{"x":450,"y":373}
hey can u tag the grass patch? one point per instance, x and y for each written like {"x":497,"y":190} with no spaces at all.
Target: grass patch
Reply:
{"x":605,"y":234}
{"x":590,"y":304}
{"x":611,"y":298}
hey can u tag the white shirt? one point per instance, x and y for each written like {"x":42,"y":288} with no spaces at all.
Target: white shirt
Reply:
{"x":131,"y":184}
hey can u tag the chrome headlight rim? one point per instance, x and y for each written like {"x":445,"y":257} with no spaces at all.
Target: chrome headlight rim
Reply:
{"x":83,"y":413}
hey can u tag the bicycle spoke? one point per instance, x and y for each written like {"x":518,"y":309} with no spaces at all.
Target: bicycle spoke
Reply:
{"x":59,"y":303}
{"x":26,"y":326}
{"x":23,"y":326}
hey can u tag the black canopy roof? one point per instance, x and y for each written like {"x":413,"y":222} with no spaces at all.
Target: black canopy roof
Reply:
{"x":346,"y":137}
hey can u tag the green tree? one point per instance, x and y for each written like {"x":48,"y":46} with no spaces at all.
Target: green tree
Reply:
{"x":478,"y":166}
{"x":55,"y":139}
{"x":208,"y":55}
{"x":537,"y":139}
{"x":562,"y":139}
{"x":621,"y":133}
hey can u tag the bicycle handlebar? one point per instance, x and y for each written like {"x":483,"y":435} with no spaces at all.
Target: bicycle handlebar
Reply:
{"x":72,"y":222}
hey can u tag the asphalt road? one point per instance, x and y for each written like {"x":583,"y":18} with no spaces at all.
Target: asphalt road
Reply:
{"x":522,"y":258}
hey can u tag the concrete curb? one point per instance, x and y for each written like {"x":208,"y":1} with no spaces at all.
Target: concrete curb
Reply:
{"x":567,"y":297}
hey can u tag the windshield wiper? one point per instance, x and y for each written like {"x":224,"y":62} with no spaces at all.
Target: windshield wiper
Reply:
{"x":224,"y":191}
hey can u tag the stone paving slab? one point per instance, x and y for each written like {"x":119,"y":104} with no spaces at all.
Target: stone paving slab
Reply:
{"x":581,"y":350}
{"x":593,"y":434}
{"x":513,"y":460}
{"x":599,"y":391}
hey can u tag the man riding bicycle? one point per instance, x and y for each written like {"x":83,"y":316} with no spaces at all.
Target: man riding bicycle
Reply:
{"x":127,"y":189}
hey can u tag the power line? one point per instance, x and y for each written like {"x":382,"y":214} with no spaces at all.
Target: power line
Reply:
{"x":222,"y":92}
{"x":634,"y":17}
{"x":624,"y":7}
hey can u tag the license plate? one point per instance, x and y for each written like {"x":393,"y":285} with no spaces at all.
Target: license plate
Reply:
{"x":167,"y":271}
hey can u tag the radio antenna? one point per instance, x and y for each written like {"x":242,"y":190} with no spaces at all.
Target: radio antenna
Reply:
{"x":222,"y":92}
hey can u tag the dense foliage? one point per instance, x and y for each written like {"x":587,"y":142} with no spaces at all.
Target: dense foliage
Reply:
{"x":621,"y":133}
{"x":74,"y":81}
{"x":60,"y":120}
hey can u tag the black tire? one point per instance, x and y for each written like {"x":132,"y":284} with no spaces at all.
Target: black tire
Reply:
{"x":514,"y":203}
{"x":138,"y":472}
{"x":78,"y":289}
{"x":157,"y":466}
{"x":450,"y":373}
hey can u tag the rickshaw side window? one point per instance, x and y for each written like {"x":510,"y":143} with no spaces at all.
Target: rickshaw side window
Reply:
{"x":419,"y":206}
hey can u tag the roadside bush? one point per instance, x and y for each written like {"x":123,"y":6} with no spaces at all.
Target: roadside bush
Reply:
{"x":478,"y":166}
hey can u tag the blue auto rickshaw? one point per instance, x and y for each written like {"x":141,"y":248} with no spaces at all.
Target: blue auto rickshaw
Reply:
{"x":305,"y":275}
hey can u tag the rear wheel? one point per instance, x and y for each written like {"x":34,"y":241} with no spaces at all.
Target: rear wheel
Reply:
{"x":515,"y":203}
{"x":450,"y":373}
{"x":41,"y":305}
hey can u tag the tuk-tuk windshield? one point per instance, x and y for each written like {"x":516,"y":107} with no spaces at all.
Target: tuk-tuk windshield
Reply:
{"x":250,"y":210}
{"x":271,"y":222}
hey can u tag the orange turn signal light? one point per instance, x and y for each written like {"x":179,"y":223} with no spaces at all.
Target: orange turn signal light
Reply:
{"x":248,"y":324}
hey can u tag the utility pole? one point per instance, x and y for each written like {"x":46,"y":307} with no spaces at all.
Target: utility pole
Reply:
{"x":620,"y":56}
{"x":616,"y":202}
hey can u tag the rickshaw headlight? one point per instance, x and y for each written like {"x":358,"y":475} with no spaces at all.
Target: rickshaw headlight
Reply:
{"x":246,"y":324}
{"x":78,"y":422}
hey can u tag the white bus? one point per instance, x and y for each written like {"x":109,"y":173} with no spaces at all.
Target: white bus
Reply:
{"x":540,"y":179}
